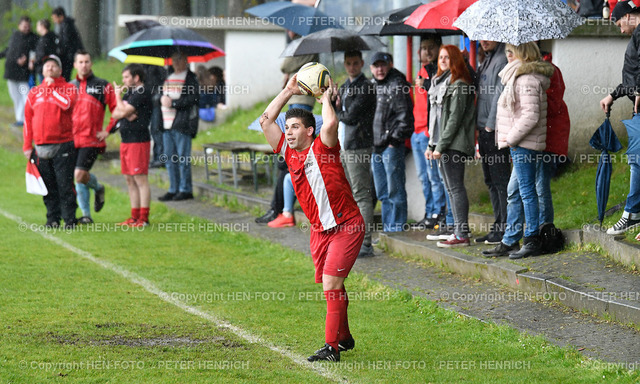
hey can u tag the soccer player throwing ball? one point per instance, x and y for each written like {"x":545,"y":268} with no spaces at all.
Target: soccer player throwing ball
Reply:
{"x":337,"y":227}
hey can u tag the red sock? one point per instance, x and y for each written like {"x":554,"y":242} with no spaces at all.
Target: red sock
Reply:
{"x":335,"y":308}
{"x":344,"y":320}
{"x":144,"y":214}
{"x":135,"y":213}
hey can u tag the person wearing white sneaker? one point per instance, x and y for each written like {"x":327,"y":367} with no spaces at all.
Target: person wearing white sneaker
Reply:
{"x":452,"y":136}
{"x":627,"y":221}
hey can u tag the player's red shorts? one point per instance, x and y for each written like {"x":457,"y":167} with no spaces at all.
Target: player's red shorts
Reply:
{"x":134,"y":158}
{"x":335,"y":250}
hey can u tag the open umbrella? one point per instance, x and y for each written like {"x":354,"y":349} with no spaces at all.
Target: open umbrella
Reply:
{"x":439,"y":14}
{"x":298,"y":18}
{"x":138,"y":25}
{"x":605,"y":140}
{"x":331,"y":40}
{"x":156,"y":45}
{"x":517,"y":21}
{"x":392,"y":23}
{"x":281,"y":121}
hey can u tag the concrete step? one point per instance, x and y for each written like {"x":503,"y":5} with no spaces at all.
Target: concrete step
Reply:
{"x":585,"y":281}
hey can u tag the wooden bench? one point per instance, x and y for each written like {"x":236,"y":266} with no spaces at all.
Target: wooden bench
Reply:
{"x":237,"y":148}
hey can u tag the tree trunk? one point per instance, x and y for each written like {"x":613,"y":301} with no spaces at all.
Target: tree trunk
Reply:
{"x":87,"y":16}
{"x":177,"y":8}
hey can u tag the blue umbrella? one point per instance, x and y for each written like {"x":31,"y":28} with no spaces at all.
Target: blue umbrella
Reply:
{"x":280,"y":120}
{"x":633,"y":130}
{"x":298,"y":18}
{"x":604,"y":139}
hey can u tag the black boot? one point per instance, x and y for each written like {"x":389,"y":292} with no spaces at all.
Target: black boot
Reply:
{"x":532,"y":247}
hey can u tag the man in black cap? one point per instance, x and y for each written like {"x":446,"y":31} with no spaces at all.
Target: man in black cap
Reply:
{"x":627,"y":16}
{"x":392,"y":125}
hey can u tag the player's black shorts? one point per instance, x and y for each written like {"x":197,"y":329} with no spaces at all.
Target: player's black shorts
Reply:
{"x":87,"y":156}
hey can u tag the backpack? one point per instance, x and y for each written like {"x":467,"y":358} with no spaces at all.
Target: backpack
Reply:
{"x":551,"y":238}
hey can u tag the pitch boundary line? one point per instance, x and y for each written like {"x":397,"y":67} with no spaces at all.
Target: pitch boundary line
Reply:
{"x":150,"y":287}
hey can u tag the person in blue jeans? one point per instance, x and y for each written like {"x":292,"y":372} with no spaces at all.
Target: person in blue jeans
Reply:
{"x":522,"y":127}
{"x":180,"y":118}
{"x":392,"y":125}
{"x":427,"y":170}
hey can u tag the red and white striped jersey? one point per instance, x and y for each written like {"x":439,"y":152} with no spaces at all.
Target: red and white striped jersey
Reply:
{"x":320,"y":184}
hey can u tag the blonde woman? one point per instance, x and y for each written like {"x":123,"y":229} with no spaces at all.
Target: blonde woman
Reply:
{"x":522,"y":127}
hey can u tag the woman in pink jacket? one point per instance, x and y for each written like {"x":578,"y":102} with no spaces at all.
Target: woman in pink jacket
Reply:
{"x":522,"y":126}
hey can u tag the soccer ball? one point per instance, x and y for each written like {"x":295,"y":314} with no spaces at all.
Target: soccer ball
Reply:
{"x":313,"y":79}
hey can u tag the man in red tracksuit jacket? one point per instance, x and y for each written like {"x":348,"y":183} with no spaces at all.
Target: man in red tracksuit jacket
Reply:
{"x":94,"y":96}
{"x":48,"y":125}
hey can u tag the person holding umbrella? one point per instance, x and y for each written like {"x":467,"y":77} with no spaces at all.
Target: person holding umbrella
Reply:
{"x":180,"y":103}
{"x":627,"y":17}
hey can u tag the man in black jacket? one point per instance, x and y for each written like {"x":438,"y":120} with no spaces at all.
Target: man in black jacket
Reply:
{"x":47,"y":44}
{"x":392,"y":125}
{"x":355,"y":107}
{"x":70,"y":41}
{"x":16,"y":67}
{"x":627,"y":17}
{"x":180,"y":118}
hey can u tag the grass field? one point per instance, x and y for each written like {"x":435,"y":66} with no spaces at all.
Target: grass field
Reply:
{"x":183,"y":300}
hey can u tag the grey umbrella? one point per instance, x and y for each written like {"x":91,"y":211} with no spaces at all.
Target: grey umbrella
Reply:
{"x":517,"y":21}
{"x":331,"y":40}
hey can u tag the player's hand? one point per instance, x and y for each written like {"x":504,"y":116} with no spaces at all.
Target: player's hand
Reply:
{"x":48,"y":80}
{"x":102,"y":135}
{"x":292,"y":85}
{"x":328,"y":93}
{"x":27,"y":153}
{"x":606,"y":103}
{"x":132,"y":117}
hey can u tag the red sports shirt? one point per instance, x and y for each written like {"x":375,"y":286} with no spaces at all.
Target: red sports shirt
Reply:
{"x":320,"y":184}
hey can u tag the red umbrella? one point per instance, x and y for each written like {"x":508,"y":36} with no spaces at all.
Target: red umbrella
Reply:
{"x":440,"y":14}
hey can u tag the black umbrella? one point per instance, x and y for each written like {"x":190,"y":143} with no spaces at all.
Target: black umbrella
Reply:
{"x":331,"y":40}
{"x":139,"y":25}
{"x":392,"y":23}
{"x":604,"y":139}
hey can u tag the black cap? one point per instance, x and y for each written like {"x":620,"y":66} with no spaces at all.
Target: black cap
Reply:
{"x":623,"y":8}
{"x":382,"y":56}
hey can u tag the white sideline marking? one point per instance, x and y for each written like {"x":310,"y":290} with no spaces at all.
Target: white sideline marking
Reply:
{"x":153,"y":289}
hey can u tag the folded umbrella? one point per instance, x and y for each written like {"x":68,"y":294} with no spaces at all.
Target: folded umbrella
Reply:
{"x":605,"y":140}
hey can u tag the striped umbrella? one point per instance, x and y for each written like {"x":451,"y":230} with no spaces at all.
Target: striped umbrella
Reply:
{"x":155,"y":46}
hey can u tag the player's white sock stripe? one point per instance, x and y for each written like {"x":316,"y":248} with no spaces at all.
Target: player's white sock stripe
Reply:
{"x":153,"y":289}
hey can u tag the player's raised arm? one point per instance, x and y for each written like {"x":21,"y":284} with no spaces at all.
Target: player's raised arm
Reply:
{"x":272,"y":131}
{"x":329,"y":131}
